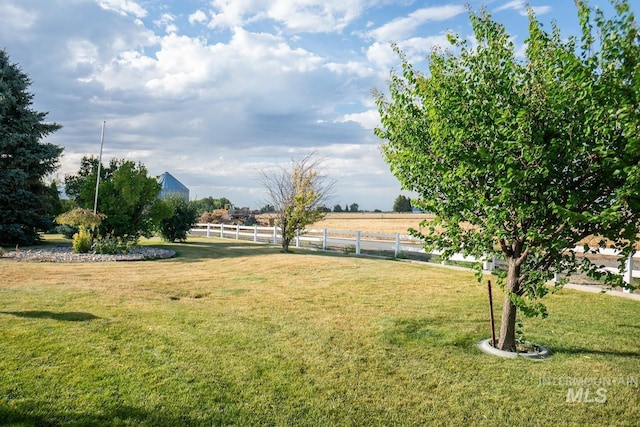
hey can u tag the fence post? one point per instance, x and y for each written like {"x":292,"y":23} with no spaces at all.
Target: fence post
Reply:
{"x":358,"y":242}
{"x":221,"y":231}
{"x":397,"y":250}
{"x":297,"y":238}
{"x":255,"y":233}
{"x":488,"y":264}
{"x":324,"y":239}
{"x":628,"y":274}
{"x":208,"y":229}
{"x":275,"y":236}
{"x":237,"y":231}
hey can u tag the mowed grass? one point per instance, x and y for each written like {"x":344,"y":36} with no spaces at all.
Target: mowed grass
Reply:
{"x":234,"y":333}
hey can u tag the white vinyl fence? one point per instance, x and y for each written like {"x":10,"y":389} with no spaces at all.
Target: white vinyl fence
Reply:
{"x":360,"y":242}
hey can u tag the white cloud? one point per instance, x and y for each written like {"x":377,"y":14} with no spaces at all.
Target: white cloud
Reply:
{"x":520,"y":6}
{"x":296,"y":15}
{"x":197,"y":17}
{"x":401,"y":28}
{"x":81,"y":52}
{"x":415,"y":49}
{"x":359,"y":69}
{"x":368,"y":119}
{"x":166,"y":21}
{"x":185,"y":66}
{"x":124,"y":7}
{"x":15,"y":18}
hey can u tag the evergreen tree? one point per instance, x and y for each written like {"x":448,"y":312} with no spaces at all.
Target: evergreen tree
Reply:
{"x":402,"y":204}
{"x":24,"y":159}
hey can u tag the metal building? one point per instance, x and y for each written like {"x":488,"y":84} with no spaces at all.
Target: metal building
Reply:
{"x":170,"y":186}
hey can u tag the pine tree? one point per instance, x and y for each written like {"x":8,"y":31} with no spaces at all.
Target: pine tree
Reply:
{"x":24,"y":159}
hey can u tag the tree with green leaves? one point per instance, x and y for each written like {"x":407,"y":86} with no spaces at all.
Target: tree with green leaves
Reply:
{"x":86,"y":221}
{"x":338,"y":208}
{"x":523,"y":159}
{"x":354,"y":207}
{"x":184,"y":217}
{"x":298,"y":192}
{"x":210,"y":204}
{"x":24,"y":159}
{"x":402,"y":204}
{"x":127,"y":197}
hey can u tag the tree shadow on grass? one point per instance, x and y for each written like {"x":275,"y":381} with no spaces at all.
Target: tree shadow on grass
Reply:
{"x":71,"y":316}
{"x":37,"y":415}
{"x":587,"y":351}
{"x":198,"y":250}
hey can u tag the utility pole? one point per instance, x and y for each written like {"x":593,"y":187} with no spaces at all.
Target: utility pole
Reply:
{"x":95,"y":201}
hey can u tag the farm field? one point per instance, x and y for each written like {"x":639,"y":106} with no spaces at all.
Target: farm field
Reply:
{"x":236,"y":333}
{"x":386,"y":223}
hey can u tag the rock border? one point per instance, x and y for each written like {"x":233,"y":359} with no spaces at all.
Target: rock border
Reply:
{"x":486,"y":347}
{"x":66,"y":254}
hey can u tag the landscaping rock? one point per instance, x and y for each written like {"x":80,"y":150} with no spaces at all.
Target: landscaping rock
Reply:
{"x":65,"y":254}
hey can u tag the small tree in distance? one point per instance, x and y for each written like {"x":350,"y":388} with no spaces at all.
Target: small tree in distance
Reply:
{"x":185,"y":215}
{"x":402,"y":204}
{"x":298,"y":192}
{"x":523,"y":158}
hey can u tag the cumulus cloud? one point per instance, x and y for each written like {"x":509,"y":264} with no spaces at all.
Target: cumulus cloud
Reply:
{"x":124,"y":7}
{"x":367,"y":119}
{"x":401,"y":28}
{"x":295,"y":15}
{"x":15,"y":18}
{"x":184,"y":66}
{"x":198,"y":17}
{"x":520,"y":6}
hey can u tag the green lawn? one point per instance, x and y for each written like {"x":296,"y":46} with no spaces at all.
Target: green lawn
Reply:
{"x":234,"y":333}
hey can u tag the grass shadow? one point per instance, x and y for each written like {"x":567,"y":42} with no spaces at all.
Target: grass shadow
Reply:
{"x":71,"y":316}
{"x":37,"y":415}
{"x":587,"y":351}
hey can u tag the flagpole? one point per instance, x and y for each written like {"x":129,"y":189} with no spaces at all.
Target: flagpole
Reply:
{"x":95,"y":201}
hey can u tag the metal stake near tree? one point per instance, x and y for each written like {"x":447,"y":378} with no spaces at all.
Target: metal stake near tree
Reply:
{"x":299,"y":193}
{"x":523,"y":159}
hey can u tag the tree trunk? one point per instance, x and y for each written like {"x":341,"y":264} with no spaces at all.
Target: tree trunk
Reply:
{"x":284,"y":224}
{"x":507,"y":341}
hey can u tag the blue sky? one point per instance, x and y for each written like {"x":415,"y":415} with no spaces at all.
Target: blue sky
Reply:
{"x":213,"y":91}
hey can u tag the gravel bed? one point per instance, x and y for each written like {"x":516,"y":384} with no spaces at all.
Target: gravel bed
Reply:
{"x":65,"y":254}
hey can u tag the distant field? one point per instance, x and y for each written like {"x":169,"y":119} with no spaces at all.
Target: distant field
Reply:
{"x":381,"y":222}
{"x":388,"y":223}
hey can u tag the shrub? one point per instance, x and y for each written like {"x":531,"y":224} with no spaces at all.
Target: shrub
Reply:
{"x":178,"y":225}
{"x":112,"y":245}
{"x":82,"y":241}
